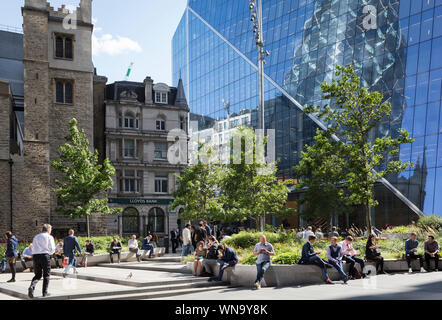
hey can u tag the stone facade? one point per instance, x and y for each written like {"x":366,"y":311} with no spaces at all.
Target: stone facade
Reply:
{"x":45,"y":119}
{"x":139,"y":118}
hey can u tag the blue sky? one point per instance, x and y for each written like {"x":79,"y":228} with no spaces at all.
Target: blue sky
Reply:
{"x":138,"y":31}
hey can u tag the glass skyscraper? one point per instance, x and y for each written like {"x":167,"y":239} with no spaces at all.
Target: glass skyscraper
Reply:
{"x":214,"y":53}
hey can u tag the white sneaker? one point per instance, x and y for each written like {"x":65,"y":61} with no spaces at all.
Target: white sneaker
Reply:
{"x":423,"y":270}
{"x":257,"y":285}
{"x":410,"y":270}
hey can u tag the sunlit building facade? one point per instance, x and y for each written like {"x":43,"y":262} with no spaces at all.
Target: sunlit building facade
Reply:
{"x":392,"y":44}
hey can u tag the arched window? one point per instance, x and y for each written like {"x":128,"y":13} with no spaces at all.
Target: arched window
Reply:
{"x":130,"y":220}
{"x":156,"y":220}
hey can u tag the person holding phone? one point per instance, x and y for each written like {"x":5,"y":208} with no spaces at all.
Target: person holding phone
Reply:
{"x":200,"y":254}
{"x":264,"y":251}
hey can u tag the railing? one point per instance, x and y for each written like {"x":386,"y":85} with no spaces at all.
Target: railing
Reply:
{"x":7,"y":28}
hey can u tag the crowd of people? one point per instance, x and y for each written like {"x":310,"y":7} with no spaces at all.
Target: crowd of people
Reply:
{"x":208,"y":253}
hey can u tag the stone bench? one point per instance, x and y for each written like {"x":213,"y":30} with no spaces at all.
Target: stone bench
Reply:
{"x":296,"y":274}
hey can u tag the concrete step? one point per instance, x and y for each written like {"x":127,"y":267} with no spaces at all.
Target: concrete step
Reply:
{"x":164,"y":267}
{"x":170,"y":292}
{"x":133,"y":282}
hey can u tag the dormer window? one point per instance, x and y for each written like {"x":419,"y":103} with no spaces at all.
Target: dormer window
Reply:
{"x":161,"y":93}
{"x":161,"y":97}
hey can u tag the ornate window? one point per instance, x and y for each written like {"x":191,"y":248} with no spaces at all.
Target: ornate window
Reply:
{"x":64,"y":48}
{"x":161,"y":124}
{"x":161,"y":183}
{"x":64,"y":91}
{"x":156,"y":219}
{"x":131,"y":220}
{"x":160,"y":151}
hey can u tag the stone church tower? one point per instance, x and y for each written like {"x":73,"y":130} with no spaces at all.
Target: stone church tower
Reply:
{"x":58,"y":86}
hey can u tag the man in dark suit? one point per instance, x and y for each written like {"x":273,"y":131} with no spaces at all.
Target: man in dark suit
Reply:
{"x":174,"y":239}
{"x":147,"y":245}
{"x":228,"y":259}
{"x":70,"y":245}
{"x":310,"y":256}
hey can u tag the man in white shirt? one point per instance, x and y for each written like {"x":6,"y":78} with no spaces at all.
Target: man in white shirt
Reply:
{"x":187,"y":241}
{"x":133,"y":247}
{"x":43,"y":246}
{"x":308,"y":232}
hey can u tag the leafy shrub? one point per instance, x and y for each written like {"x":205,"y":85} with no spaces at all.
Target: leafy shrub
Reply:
{"x":398,"y":229}
{"x":291,"y":257}
{"x":430,"y":222}
{"x":248,"y":239}
{"x":249,"y":259}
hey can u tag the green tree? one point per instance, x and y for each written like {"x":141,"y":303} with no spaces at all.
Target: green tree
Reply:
{"x":354,"y":116}
{"x":83,"y":179}
{"x":320,"y":174}
{"x":197,"y":190}
{"x":250,"y":187}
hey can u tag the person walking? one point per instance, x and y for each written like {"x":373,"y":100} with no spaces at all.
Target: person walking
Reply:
{"x":43,"y":246}
{"x":133,"y":247}
{"x":70,"y":246}
{"x":187,"y":241}
{"x":11,"y":253}
{"x":372,"y":253}
{"x":411,"y":246}
{"x":264,"y":251}
{"x":431,"y":248}
{"x":310,"y":256}
{"x":334,"y":256}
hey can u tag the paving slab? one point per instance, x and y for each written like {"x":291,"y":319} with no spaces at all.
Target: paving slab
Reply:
{"x":131,"y":276}
{"x":59,"y":287}
{"x":382,"y":287}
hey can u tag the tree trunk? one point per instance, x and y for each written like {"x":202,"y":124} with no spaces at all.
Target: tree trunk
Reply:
{"x":87,"y":227}
{"x":368,"y":218}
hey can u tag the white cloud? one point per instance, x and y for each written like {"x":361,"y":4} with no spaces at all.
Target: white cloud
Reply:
{"x":112,"y":45}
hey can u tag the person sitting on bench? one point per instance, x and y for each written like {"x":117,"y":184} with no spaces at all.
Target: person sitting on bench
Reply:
{"x":373,"y":253}
{"x":227,"y":259}
{"x":310,"y":256}
{"x":432,"y":252}
{"x":147,"y":245}
{"x":411,"y":252}
{"x":26,"y":256}
{"x":115,"y":248}
{"x":334,"y":256}
{"x":350,"y":256}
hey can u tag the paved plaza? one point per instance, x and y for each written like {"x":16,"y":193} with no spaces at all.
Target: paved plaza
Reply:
{"x":165,"y":279}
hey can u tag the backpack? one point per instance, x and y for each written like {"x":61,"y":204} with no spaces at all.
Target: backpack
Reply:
{"x":356,"y":274}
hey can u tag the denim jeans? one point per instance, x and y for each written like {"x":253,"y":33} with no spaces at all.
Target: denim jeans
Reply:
{"x":261,"y":269}
{"x":338,"y":266}
{"x":72,"y":264}
{"x":187,"y":249}
{"x":149,"y":248}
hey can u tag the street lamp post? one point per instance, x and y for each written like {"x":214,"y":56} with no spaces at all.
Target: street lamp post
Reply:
{"x":255,"y":7}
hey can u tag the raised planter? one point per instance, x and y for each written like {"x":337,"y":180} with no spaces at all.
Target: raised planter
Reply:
{"x":294,"y":275}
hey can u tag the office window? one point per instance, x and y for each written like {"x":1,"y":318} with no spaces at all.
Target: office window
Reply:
{"x":129,"y":148}
{"x":160,"y":150}
{"x":64,"y":91}
{"x":64,"y":47}
{"x":129,"y":121}
{"x":161,"y":183}
{"x":161,"y":124}
{"x":131,"y":181}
